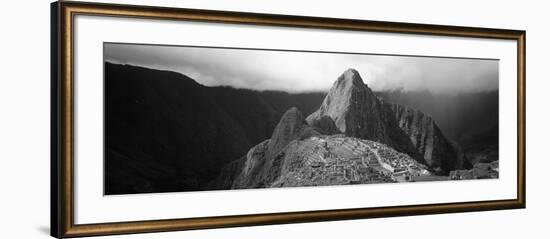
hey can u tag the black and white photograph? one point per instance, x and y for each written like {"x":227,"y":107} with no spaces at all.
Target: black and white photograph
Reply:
{"x":274,"y":119}
{"x":189,"y":118}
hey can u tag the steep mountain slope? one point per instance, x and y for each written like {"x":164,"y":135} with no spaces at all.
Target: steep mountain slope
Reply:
{"x":259,"y":112}
{"x":481,"y":147}
{"x":159,"y":119}
{"x":354,"y":108}
{"x":263,"y":161}
{"x":337,"y":144}
{"x":428,"y":139}
{"x":357,"y":112}
{"x":297,"y":155}
{"x":164,"y":132}
{"x":457,"y":115}
{"x":325,"y":125}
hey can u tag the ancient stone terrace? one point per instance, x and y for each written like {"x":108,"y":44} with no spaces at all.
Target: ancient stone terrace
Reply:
{"x":334,"y":160}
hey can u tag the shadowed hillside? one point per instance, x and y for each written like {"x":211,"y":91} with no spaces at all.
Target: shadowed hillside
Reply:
{"x":164,"y":132}
{"x":458,"y":115}
{"x":353,"y":138}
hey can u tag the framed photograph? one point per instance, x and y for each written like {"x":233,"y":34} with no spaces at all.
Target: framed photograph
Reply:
{"x":170,"y":119}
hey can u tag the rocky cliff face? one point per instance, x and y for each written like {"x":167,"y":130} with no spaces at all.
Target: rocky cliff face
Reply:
{"x":325,"y":125}
{"x":167,"y":133}
{"x":291,"y":126}
{"x":353,"y":137}
{"x":353,"y":108}
{"x":322,"y":160}
{"x":457,"y":115}
{"x":263,"y":162}
{"x":428,"y":139}
{"x":357,"y":112}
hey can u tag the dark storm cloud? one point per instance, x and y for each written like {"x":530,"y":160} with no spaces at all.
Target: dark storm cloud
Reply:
{"x":303,"y":71}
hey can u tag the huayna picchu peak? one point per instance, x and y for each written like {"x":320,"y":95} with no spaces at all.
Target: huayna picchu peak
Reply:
{"x":353,"y":138}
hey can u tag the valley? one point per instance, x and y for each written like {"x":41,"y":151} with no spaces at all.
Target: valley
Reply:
{"x":167,"y":133}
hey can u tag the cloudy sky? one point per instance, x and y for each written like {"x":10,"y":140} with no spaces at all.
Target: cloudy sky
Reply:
{"x":307,"y":71}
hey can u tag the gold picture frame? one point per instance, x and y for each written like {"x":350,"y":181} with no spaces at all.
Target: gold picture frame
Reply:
{"x":62,"y":161}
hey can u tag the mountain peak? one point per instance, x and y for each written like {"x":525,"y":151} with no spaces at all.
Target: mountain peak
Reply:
{"x":349,"y":78}
{"x":291,"y":126}
{"x":437,"y":152}
{"x":293,"y":112}
{"x":357,"y":112}
{"x":351,"y":72}
{"x":292,"y":118}
{"x":353,"y":107}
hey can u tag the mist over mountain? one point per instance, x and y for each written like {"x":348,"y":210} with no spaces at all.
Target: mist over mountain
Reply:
{"x":353,"y":138}
{"x":437,"y":151}
{"x":164,"y":132}
{"x":458,"y":115}
{"x":357,"y":112}
{"x":298,"y":71}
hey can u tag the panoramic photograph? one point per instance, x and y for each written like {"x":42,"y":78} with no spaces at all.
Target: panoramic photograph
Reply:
{"x":195,"y":118}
